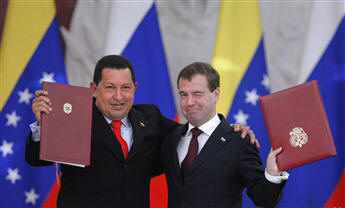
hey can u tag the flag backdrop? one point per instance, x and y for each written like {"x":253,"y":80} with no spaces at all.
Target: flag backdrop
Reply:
{"x":139,"y":39}
{"x":239,"y":58}
{"x":320,"y":184}
{"x":30,"y":52}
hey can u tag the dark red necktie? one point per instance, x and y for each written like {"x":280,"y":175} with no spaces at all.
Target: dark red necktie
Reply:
{"x":192,"y":152}
{"x":117,"y":131}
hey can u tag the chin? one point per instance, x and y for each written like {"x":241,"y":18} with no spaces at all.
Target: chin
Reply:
{"x":117,"y":116}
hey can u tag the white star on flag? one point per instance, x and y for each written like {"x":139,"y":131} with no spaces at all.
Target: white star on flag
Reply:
{"x":13,"y":175}
{"x":31,"y":196}
{"x":241,"y":118}
{"x":6,"y":148}
{"x":12,"y":119}
{"x":251,"y":96}
{"x":47,"y":77}
{"x":266,"y":82}
{"x":25,"y":96}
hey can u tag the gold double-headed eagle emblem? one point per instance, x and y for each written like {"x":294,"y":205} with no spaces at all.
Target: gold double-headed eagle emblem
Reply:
{"x":67,"y":108}
{"x":298,"y":137}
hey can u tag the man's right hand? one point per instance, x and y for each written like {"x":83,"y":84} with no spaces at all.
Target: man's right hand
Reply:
{"x":41,"y":103}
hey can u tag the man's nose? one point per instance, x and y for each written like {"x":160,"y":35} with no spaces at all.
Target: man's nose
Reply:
{"x":117,"y":94}
{"x":190,"y":100}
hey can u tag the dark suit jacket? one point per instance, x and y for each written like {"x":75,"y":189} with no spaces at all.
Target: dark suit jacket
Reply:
{"x":219,"y":174}
{"x":110,"y":180}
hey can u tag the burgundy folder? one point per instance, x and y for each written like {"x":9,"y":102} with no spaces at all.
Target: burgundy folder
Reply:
{"x":66,"y":130}
{"x":296,"y":120}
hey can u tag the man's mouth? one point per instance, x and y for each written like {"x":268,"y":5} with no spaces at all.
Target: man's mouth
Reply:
{"x":192,"y":111}
{"x":117,"y":105}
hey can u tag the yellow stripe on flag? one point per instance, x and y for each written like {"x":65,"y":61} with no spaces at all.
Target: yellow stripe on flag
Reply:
{"x":238,"y":36}
{"x":25,"y":25}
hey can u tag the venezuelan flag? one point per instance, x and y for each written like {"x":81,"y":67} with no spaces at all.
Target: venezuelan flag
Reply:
{"x":239,"y":58}
{"x":322,"y":184}
{"x":30,"y":53}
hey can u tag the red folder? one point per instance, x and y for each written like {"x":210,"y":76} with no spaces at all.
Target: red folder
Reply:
{"x":66,"y":131}
{"x":296,"y":120}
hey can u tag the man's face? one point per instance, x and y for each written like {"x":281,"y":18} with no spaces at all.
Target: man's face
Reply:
{"x":198,"y":103}
{"x":115,"y":93}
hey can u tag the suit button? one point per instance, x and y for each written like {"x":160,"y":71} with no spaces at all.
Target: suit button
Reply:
{"x":125,"y":167}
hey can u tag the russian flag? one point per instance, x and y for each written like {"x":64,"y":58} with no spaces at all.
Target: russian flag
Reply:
{"x":134,"y":33}
{"x":321,"y":184}
{"x":30,"y":53}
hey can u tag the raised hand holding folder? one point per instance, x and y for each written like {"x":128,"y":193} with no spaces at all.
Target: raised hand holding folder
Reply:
{"x":296,"y":120}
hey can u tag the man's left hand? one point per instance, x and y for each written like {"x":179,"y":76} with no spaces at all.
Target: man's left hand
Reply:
{"x":246,"y":131}
{"x":271,"y":163}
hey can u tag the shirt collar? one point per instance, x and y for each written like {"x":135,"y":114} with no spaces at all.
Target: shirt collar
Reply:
{"x":125,"y":121}
{"x":207,"y":127}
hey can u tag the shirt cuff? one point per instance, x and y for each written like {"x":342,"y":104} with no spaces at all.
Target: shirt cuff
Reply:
{"x":35,"y":129}
{"x":277,"y":179}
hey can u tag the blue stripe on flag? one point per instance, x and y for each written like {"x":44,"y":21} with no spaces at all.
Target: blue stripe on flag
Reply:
{"x":145,"y":51}
{"x":48,"y":60}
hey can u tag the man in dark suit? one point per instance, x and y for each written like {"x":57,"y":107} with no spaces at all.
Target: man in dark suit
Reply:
{"x":122,"y":165}
{"x":205,"y":161}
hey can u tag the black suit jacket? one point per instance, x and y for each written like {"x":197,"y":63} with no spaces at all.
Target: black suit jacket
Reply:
{"x":224,"y":167}
{"x":110,"y":180}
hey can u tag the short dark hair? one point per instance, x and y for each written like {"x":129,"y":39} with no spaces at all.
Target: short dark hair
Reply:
{"x":113,"y":62}
{"x":200,"y":68}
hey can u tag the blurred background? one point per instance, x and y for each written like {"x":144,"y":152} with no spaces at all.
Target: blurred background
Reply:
{"x":258,"y":47}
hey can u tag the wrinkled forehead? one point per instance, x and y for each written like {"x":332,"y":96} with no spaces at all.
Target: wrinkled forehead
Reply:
{"x":199,"y":79}
{"x":116,"y":75}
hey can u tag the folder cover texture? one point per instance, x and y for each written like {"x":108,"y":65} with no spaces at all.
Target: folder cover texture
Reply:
{"x":66,"y":130}
{"x":296,"y":120}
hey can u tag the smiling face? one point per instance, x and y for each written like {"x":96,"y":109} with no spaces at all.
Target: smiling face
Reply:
{"x":115,"y":93}
{"x":197,"y":102}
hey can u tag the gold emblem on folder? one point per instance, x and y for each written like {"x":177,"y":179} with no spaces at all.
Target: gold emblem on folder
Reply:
{"x":67,"y":108}
{"x":298,"y":137}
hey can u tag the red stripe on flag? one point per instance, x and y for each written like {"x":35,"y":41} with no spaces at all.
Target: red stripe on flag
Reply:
{"x":177,"y":119}
{"x":52,"y":196}
{"x":159,"y":188}
{"x":159,"y":192}
{"x":337,"y":198}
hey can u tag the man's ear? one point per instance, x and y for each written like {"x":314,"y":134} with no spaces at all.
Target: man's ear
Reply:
{"x":135,"y":86}
{"x":93,"y":87}
{"x":217,"y":92}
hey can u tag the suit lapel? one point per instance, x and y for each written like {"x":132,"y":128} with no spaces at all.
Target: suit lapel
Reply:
{"x":138,"y":123}
{"x":179,"y":133}
{"x":216,"y":141}
{"x":102,"y":130}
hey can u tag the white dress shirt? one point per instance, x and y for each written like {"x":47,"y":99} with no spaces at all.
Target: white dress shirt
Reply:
{"x":207,"y":129}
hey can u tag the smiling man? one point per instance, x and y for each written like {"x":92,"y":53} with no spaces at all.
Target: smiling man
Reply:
{"x":121,"y":165}
{"x":206,"y":162}
{"x":125,"y":142}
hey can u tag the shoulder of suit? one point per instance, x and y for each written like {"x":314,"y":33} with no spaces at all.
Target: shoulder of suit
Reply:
{"x":232,"y":133}
{"x":145,"y":108}
{"x":146,"y":111}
